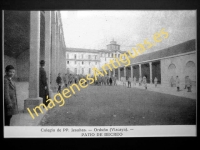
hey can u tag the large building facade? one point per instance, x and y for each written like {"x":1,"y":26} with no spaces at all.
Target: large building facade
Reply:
{"x":81,"y":61}
{"x":178,"y":60}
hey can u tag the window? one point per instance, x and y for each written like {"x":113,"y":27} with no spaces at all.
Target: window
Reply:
{"x":67,"y":62}
{"x":82,"y":70}
{"x":82,"y":56}
{"x":89,"y":70}
{"x":75,"y":70}
{"x":95,"y":57}
{"x":118,"y":55}
{"x":171,"y":70}
{"x":89,"y":62}
{"x":95,"y":63}
{"x":82,"y":62}
{"x":89,"y":56}
{"x":67,"y":55}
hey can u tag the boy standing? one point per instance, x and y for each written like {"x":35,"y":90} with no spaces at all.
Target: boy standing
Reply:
{"x":10,"y":97}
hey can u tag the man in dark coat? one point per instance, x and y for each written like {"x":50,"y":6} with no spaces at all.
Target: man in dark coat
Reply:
{"x":10,"y":96}
{"x":59,"y":82}
{"x":110,"y":80}
{"x":43,"y":87}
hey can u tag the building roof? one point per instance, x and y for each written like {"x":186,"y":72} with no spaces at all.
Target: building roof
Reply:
{"x":82,"y":50}
{"x":90,"y":50}
{"x":185,"y":47}
{"x":181,"y":48}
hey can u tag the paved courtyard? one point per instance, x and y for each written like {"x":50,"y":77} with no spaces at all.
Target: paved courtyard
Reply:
{"x":121,"y":106}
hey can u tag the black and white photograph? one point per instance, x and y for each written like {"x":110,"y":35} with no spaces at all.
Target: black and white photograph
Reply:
{"x":99,"y":73}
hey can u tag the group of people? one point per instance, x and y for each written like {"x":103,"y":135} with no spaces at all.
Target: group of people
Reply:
{"x":69,"y":79}
{"x":176,"y":82}
{"x":106,"y":80}
{"x":141,"y":81}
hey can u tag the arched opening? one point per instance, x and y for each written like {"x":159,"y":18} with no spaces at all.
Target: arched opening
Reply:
{"x":190,"y":71}
{"x":172,"y":70}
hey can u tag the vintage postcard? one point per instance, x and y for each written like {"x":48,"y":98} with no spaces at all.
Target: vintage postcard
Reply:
{"x":100,"y":73}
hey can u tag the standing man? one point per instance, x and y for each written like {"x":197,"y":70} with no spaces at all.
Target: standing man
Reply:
{"x":188,"y":84}
{"x":129,"y":82}
{"x":124,"y":81}
{"x":75,"y":79}
{"x":107,"y":79}
{"x":66,"y":79}
{"x":10,"y":96}
{"x":172,"y":81}
{"x":145,"y":82}
{"x":59,"y":82}
{"x":186,"y":78}
{"x":110,"y":80}
{"x":115,"y":79}
{"x":140,"y":81}
{"x":134,"y":80}
{"x":178,"y":83}
{"x":43,"y":87}
{"x":155,"y":81}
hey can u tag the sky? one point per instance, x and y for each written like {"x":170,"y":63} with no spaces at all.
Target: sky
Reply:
{"x":94,"y":29}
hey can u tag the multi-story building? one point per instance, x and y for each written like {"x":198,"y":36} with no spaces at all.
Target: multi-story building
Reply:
{"x":81,"y":61}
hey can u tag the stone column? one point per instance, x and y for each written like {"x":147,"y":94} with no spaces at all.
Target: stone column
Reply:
{"x":58,"y":61}
{"x":124,"y":71}
{"x":34,"y":99}
{"x":62,"y":52}
{"x":140,"y":71}
{"x":53,"y":66}
{"x":118,"y":73}
{"x":150,"y":65}
{"x":131,"y":71}
{"x":113,"y":72}
{"x":48,"y":48}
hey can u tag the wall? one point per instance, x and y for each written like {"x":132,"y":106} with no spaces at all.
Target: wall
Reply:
{"x":23,"y":65}
{"x":180,"y":63}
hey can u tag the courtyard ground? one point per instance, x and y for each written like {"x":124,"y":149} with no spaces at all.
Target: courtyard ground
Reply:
{"x":121,"y":106}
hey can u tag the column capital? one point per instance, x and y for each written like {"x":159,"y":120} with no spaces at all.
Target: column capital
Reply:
{"x":150,"y":62}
